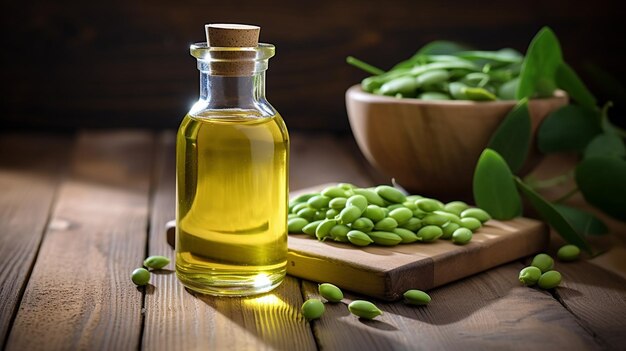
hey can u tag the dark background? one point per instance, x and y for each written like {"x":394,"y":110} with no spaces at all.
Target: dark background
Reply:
{"x":74,"y":63}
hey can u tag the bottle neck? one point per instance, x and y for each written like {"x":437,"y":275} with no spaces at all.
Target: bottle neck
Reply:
{"x":223,"y":92}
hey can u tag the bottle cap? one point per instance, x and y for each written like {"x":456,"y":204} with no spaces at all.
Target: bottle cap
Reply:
{"x":239,"y":42}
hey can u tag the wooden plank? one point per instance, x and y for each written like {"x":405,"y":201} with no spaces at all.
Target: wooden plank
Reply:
{"x":30,"y":169}
{"x":597,"y":298}
{"x":80,"y":295}
{"x":490,"y":311}
{"x":177,"y":319}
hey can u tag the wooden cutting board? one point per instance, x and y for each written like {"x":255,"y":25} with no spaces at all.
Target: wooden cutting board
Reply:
{"x":387,"y":272}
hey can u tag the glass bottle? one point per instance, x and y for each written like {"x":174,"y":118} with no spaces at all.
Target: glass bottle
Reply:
{"x":232,"y":162}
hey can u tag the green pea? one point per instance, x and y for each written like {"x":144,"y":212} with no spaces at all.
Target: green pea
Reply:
{"x":416,"y":297}
{"x":568,"y":253}
{"x":339,"y":233}
{"x":312,"y":309}
{"x":462,"y":236}
{"x":295,"y":225}
{"x":385,"y":238}
{"x":156,"y":262}
{"x":307,"y":213}
{"x":364,"y":309}
{"x":477,"y":213}
{"x":318,"y":201}
{"x":371,"y":196}
{"x":413,"y":224}
{"x":428,"y":205}
{"x":338,"y":203}
{"x":406,"y":235}
{"x":390,"y":194}
{"x":140,"y":276}
{"x":323,"y":229}
{"x":299,"y":207}
{"x":543,"y":261}
{"x":470,"y":223}
{"x":435,"y":219}
{"x":455,"y":207}
{"x":311,"y":228}
{"x":359,"y":238}
{"x":335,"y":192}
{"x":448,"y":230}
{"x":330,"y":292}
{"x":429,"y":233}
{"x":529,"y":276}
{"x":358,"y":201}
{"x":349,"y":214}
{"x":363,"y":224}
{"x":374,"y":213}
{"x":386,"y":224}
{"x":401,"y":215}
{"x":332,"y":213}
{"x":549,"y":280}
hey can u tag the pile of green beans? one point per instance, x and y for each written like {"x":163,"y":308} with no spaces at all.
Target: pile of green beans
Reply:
{"x":381,"y":215}
{"x":457,"y":75}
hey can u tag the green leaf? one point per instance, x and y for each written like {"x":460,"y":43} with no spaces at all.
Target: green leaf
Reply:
{"x":569,"y":128}
{"x":540,"y":64}
{"x":506,"y":55}
{"x":568,"y":80}
{"x":553,"y":217}
{"x":583,"y":222}
{"x":494,"y":188}
{"x":606,"y":145}
{"x":602,"y":180}
{"x":512,"y":138}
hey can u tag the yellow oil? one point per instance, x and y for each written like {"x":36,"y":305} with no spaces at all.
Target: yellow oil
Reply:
{"x":232,"y":178}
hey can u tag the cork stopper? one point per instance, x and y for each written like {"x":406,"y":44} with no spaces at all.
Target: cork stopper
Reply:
{"x":229,"y":35}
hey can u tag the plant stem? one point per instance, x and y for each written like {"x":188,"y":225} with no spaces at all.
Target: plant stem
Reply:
{"x":364,"y":66}
{"x":550,"y":182}
{"x":567,"y":195}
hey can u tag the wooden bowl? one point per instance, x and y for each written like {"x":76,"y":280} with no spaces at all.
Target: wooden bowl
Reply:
{"x":431,"y":147}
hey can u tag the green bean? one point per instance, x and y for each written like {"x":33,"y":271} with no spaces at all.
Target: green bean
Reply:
{"x":413,"y":224}
{"x":429,"y":233}
{"x":140,"y":276}
{"x":318,"y":201}
{"x":457,"y":90}
{"x":303,"y":198}
{"x":312,"y":309}
{"x":298,"y":207}
{"x":310,"y":228}
{"x":330,"y":292}
{"x":357,"y":200}
{"x":335,"y":192}
{"x":399,"y":85}
{"x":349,"y":214}
{"x":406,"y":235}
{"x":372,"y":197}
{"x":416,"y":297}
{"x":340,"y":232}
{"x":401,"y":215}
{"x":374,"y":213}
{"x":385,"y":238}
{"x":156,"y":262}
{"x":363,"y":224}
{"x":390,"y":194}
{"x":428,"y":205}
{"x":549,"y":280}
{"x":295,"y":225}
{"x":386,"y":224}
{"x":477,"y":213}
{"x":529,"y":276}
{"x":455,"y":207}
{"x":338,"y":203}
{"x":448,"y":230}
{"x":461,"y":236}
{"x":435,"y":219}
{"x":307,"y":213}
{"x":479,"y":94}
{"x":568,"y":253}
{"x":323,"y":229}
{"x":364,"y":66}
{"x":319,"y":215}
{"x":432,"y":77}
{"x":470,"y":223}
{"x":451,"y":217}
{"x":508,"y":89}
{"x":543,"y":261}
{"x":364,"y":309}
{"x":332,"y":213}
{"x":359,"y":238}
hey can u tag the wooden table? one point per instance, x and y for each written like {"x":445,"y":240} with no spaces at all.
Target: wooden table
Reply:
{"x":79,"y":212}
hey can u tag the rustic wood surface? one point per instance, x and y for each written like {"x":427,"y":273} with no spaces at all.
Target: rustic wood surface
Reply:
{"x":97,"y":204}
